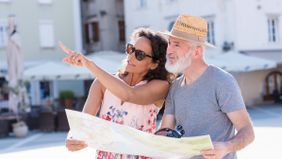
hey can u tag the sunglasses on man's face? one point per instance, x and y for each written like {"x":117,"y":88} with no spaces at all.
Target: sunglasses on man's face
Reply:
{"x":139,"y":54}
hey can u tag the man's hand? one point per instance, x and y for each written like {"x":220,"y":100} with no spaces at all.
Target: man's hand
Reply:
{"x":220,"y":150}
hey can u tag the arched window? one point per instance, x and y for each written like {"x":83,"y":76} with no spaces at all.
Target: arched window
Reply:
{"x":273,"y":86}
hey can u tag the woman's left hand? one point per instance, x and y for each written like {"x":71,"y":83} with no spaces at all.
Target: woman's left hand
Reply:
{"x":73,"y":57}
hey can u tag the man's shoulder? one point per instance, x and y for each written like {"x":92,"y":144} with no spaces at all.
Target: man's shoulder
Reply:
{"x":176,"y":83}
{"x":219,"y":74}
{"x":223,"y":79}
{"x":178,"y":80}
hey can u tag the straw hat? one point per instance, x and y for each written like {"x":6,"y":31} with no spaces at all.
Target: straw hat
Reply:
{"x":190,"y":28}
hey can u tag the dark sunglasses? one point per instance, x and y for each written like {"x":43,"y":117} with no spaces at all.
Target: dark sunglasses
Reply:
{"x":178,"y":133}
{"x":139,"y":54}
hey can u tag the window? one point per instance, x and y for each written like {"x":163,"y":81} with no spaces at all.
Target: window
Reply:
{"x":273,"y":32}
{"x":45,"y":89}
{"x":210,"y":36}
{"x":46,"y":34}
{"x":142,"y":3}
{"x":121,"y":29}
{"x":45,"y":1}
{"x":170,"y":1}
{"x":3,"y":34}
{"x":4,"y":95}
{"x":92,"y":32}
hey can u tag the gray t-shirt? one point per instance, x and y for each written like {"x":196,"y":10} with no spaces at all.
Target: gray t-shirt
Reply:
{"x":202,"y":107}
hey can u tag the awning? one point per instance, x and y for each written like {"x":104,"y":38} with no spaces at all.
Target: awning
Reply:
{"x":237,"y":62}
{"x":109,"y":60}
{"x":51,"y":70}
{"x":58,"y":70}
{"x":27,"y":64}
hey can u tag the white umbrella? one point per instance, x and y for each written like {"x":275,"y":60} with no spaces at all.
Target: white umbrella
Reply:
{"x":14,"y":60}
{"x":110,"y":61}
{"x":57,"y":70}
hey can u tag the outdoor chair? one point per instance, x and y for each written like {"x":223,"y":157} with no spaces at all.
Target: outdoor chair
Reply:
{"x":47,"y":121}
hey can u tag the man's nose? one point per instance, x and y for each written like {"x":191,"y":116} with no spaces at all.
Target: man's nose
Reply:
{"x":169,"y":49}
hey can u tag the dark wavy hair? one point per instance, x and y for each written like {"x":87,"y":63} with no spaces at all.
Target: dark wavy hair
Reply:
{"x":159,"y":46}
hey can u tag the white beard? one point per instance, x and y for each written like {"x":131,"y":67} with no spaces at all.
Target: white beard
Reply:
{"x":180,"y":65}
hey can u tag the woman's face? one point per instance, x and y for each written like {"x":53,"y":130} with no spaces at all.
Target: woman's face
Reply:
{"x":134,"y":65}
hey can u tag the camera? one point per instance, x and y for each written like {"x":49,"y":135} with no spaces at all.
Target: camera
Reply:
{"x":176,"y":133}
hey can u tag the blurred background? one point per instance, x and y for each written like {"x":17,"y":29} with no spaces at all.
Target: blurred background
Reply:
{"x":36,"y":86}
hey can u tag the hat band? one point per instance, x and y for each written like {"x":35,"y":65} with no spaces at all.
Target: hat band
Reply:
{"x":188,"y":36}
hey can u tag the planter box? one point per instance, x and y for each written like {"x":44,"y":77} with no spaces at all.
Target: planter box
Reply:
{"x":4,"y":125}
{"x":62,"y":121}
{"x":47,"y":121}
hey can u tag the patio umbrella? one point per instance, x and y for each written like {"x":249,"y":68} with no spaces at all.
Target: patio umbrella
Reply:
{"x":57,"y":70}
{"x":14,"y":60}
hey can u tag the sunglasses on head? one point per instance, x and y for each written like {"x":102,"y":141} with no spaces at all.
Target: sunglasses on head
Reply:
{"x":139,"y":54}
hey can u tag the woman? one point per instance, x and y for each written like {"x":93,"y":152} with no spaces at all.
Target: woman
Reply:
{"x":133,"y":96}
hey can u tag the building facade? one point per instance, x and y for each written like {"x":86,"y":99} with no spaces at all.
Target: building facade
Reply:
{"x":251,"y":27}
{"x":84,"y":25}
{"x":103,"y":25}
{"x":41,"y":25}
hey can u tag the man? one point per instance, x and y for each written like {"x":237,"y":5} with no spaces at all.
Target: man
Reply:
{"x":205,"y":99}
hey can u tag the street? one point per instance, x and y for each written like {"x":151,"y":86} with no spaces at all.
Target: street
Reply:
{"x":267,"y":120}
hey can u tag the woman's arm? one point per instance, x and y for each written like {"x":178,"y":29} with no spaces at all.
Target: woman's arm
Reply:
{"x":94,"y":98}
{"x":151,"y":92}
{"x":145,"y":94}
{"x":91,"y":106}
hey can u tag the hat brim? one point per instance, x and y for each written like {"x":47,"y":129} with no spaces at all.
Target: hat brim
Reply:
{"x":207,"y":44}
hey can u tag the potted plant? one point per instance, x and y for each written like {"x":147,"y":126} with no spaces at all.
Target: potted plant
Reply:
{"x":19,"y":92}
{"x":20,"y":129}
{"x":66,"y":97}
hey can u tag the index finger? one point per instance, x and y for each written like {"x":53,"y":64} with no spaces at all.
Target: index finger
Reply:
{"x":64,"y":48}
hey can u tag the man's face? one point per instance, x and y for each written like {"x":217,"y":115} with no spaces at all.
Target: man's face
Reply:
{"x":179,"y":55}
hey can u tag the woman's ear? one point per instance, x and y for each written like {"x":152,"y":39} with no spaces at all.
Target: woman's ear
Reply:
{"x":154,"y":65}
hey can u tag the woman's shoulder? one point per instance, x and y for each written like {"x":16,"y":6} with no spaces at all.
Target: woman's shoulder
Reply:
{"x":158,"y":82}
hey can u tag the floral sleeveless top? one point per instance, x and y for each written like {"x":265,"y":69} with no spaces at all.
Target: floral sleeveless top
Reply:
{"x":141,"y":117}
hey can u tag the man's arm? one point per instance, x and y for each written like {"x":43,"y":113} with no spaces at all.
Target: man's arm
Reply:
{"x":168,"y":121}
{"x":245,"y":132}
{"x":245,"y":135}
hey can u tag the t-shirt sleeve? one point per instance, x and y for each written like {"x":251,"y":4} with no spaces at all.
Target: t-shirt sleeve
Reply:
{"x":229,"y":96}
{"x":169,"y":103}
